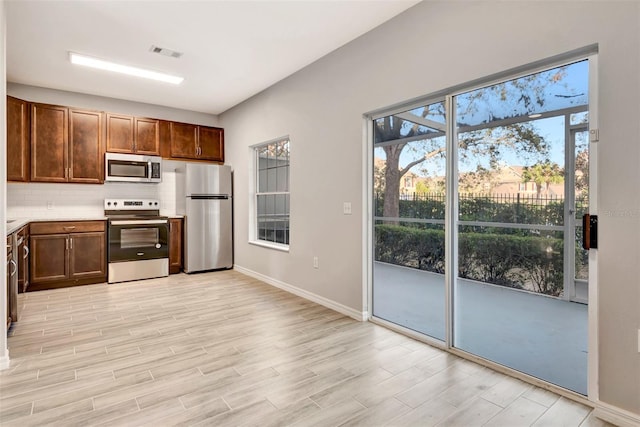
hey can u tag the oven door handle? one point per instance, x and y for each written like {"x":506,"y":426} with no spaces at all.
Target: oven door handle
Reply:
{"x":139,"y":222}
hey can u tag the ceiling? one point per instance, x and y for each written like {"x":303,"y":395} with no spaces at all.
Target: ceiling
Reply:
{"x":231,"y":49}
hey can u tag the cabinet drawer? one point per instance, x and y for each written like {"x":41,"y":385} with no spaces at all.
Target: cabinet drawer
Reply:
{"x":59,"y":227}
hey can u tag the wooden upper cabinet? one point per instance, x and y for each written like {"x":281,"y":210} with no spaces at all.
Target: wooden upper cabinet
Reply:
{"x":147,"y":136}
{"x":119,"y":133}
{"x":183,"y":138}
{"x":85,"y":147}
{"x":49,"y":138}
{"x":18,"y":142}
{"x":187,"y":141}
{"x":127,"y":134}
{"x":211,"y":143}
{"x":66,"y":145}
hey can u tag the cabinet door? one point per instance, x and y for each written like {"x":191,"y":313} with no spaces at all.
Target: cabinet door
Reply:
{"x":87,"y":255}
{"x":8,"y":287}
{"x":49,"y":139}
{"x":183,"y":140}
{"x":175,"y":245}
{"x":49,"y":258}
{"x":85,"y":147}
{"x":18,"y":144}
{"x":211,"y":143}
{"x":147,"y":137}
{"x":23,"y":261}
{"x":119,"y":133}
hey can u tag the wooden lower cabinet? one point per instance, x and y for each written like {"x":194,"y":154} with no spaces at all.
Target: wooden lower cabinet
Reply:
{"x":10,"y":273}
{"x":23,"y":258}
{"x":49,"y":258}
{"x":67,"y":254}
{"x":87,"y":256}
{"x":175,"y":245}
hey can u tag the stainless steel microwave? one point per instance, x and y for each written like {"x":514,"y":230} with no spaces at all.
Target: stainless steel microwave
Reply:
{"x":132,"y":168}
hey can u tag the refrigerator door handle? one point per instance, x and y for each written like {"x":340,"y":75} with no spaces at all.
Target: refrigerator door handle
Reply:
{"x":209,"y":197}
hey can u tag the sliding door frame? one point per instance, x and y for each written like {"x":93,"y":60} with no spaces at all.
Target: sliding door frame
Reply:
{"x":589,"y":53}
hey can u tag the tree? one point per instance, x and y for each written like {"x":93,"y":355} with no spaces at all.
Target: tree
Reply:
{"x":543,"y":173}
{"x":516,"y":98}
{"x":393,"y":128}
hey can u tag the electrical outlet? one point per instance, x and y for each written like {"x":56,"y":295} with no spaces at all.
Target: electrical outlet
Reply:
{"x":49,"y":205}
{"x":346,"y":208}
{"x":315,"y":262}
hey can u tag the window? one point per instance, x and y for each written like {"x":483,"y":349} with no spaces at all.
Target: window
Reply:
{"x":272,"y":192}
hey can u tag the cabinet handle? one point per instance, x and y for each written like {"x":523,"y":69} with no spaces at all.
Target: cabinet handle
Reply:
{"x":69,"y":227}
{"x":26,"y":252}
{"x":66,"y":244}
{"x":15,"y":267}
{"x":70,"y":242}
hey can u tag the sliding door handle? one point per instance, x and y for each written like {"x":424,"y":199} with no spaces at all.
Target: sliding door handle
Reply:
{"x":589,"y":231}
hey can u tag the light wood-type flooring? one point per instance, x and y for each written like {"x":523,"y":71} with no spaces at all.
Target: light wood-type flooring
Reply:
{"x":224,"y":349}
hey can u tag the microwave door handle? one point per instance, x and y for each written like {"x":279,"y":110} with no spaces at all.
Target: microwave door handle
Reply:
{"x":150,"y":171}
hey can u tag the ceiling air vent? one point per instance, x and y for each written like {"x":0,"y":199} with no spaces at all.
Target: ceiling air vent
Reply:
{"x":165,"y":52}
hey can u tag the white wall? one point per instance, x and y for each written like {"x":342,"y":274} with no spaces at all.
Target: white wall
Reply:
{"x":4,"y":354}
{"x":433,"y":46}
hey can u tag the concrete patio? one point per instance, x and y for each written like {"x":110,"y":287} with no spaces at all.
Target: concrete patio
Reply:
{"x":541,"y":336}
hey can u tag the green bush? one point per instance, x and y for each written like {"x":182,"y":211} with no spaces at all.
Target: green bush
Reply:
{"x":530,"y":262}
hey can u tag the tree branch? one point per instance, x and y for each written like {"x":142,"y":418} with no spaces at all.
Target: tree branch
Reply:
{"x":427,"y":156}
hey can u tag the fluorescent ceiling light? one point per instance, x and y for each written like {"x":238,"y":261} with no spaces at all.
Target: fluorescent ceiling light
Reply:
{"x":124,"y":69}
{"x":535,"y":116}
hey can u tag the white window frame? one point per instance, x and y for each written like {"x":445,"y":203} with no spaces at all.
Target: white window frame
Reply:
{"x":254,"y":193}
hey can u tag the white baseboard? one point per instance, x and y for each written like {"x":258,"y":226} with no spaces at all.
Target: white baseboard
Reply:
{"x":340,"y":308}
{"x":617,"y":416}
{"x":4,"y":361}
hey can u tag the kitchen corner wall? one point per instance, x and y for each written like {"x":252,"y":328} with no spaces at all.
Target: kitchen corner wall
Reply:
{"x":59,"y":201}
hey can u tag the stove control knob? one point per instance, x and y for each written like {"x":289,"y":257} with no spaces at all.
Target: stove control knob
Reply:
{"x":115,"y":203}
{"x":108,"y":203}
{"x":150,"y":203}
{"x":156,"y":203}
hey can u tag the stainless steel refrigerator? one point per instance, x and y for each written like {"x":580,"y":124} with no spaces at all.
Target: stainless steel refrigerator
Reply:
{"x":205,"y":198}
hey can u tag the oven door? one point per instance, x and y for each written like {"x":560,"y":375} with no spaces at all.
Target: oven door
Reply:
{"x":134,"y":240}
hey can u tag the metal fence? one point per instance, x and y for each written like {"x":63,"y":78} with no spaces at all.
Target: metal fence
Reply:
{"x":507,"y":207}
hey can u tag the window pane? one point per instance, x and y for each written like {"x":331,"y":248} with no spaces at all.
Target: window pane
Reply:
{"x":272,"y":206}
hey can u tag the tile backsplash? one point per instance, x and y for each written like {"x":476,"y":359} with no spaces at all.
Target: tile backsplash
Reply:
{"x":45,"y":200}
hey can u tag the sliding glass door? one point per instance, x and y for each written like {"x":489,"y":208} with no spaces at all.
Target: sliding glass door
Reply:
{"x":409,"y":231}
{"x":479,"y":248}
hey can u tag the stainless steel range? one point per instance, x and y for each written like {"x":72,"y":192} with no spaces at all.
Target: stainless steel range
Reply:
{"x":138,"y":239}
